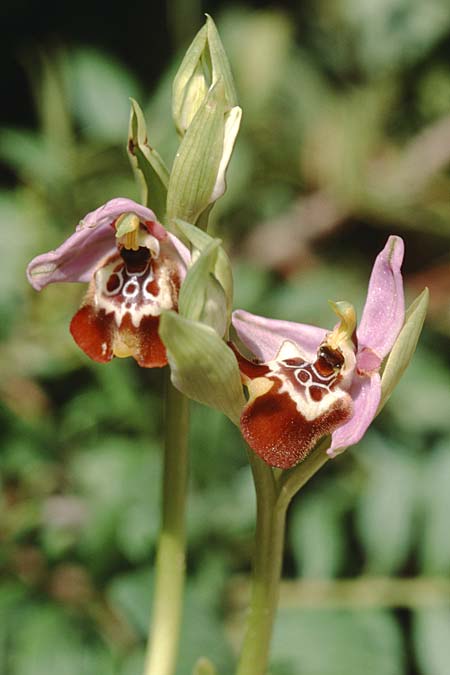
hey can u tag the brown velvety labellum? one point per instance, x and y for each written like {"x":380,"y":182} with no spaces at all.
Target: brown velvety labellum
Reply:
{"x":96,"y":333}
{"x":93,"y":333}
{"x":280,"y":435}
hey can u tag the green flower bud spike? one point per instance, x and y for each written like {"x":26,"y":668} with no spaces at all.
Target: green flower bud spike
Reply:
{"x":204,"y":64}
{"x":208,"y":119}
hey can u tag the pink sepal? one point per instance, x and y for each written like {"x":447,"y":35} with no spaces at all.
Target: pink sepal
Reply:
{"x":94,"y":239}
{"x":384,"y":311}
{"x":366,"y":393}
{"x":264,"y":337}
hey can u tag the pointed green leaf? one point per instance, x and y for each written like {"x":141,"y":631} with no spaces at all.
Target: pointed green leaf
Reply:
{"x":196,"y":166}
{"x":203,"y":367}
{"x":222,"y":268}
{"x":219,"y":61}
{"x":404,"y":346}
{"x":147,"y":164}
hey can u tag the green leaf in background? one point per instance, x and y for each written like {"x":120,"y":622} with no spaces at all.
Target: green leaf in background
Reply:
{"x":259,"y":72}
{"x":422,"y":397}
{"x":133,"y":663}
{"x":210,"y":429}
{"x":407,"y":31}
{"x":252,"y":285}
{"x":147,"y":164}
{"x":404,"y":346}
{"x":119,"y":482}
{"x":51,"y":100}
{"x":203,"y":367}
{"x":435,"y":541}
{"x":99,"y":91}
{"x":319,"y":642}
{"x":130,"y":596}
{"x":228,"y":510}
{"x":48,"y":641}
{"x":204,"y":667}
{"x":201,"y":632}
{"x":387,"y":506}
{"x":12,"y":596}
{"x":431,"y":630}
{"x":317,"y":533}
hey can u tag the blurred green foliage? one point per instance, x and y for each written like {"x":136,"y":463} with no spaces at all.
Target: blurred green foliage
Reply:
{"x":345,"y":138}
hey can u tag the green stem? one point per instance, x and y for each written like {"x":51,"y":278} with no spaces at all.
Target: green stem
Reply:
{"x":268,"y":556}
{"x":290,"y":482}
{"x":164,"y":633}
{"x":274,"y":492}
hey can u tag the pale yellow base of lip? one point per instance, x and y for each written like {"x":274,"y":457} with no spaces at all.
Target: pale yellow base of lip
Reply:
{"x":122,"y":349}
{"x":258,"y":387}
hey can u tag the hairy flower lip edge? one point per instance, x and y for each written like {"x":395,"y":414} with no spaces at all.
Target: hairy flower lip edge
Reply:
{"x":381,"y":321}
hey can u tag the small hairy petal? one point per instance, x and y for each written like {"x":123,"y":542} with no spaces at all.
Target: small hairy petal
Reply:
{"x":264,"y":337}
{"x":384,"y":311}
{"x":366,"y":393}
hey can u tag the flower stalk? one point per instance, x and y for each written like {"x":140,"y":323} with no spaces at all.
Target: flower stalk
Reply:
{"x":162,"y":649}
{"x":273,"y":496}
{"x":267,"y":562}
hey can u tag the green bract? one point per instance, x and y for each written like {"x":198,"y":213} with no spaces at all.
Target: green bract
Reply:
{"x":148,"y":165}
{"x":197,"y":179}
{"x":209,"y":282}
{"x":197,"y":161}
{"x":202,"y":366}
{"x":204,"y":64}
{"x":404,"y":346}
{"x":201,"y":297}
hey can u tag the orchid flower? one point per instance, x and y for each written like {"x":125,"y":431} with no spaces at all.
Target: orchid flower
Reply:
{"x":134,"y":268}
{"x":307,"y":382}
